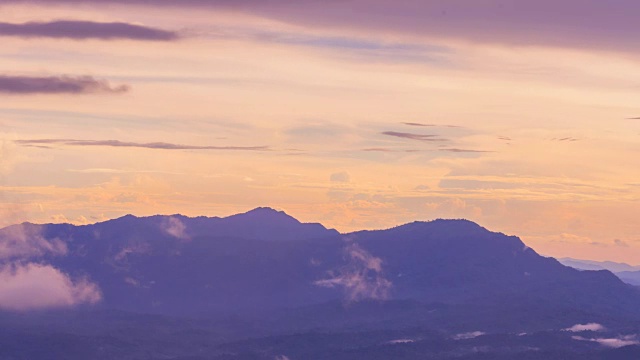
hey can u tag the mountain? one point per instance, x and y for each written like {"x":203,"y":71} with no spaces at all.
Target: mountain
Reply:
{"x":625,"y":272}
{"x":630,"y":277}
{"x":265,"y":275}
{"x":614,"y":267}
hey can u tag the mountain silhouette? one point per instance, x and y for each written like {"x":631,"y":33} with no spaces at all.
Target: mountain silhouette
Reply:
{"x":265,"y":262}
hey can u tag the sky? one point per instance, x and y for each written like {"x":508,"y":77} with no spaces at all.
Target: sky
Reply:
{"x":522,"y":116}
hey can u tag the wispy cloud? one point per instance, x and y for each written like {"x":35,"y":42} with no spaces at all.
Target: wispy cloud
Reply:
{"x":412,"y":136}
{"x":429,"y":125}
{"x":23,"y":85}
{"x":175,"y":227}
{"x":341,"y":177}
{"x":389,"y":150}
{"x":81,"y":30}
{"x":27,"y":242}
{"x":363,"y":278}
{"x":469,"y":335}
{"x":153,"y":145}
{"x":456,"y":150}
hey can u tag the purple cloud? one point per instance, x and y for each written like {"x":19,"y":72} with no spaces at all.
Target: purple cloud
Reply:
{"x":411,"y":136}
{"x":153,"y":145}
{"x":23,"y":85}
{"x":81,"y":30}
{"x":608,"y":25}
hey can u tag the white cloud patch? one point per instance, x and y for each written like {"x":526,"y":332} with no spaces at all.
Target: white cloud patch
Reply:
{"x":618,"y":342}
{"x":400,"y":341}
{"x":586,"y":327}
{"x":35,"y":286}
{"x":175,"y":227}
{"x":24,"y":242}
{"x":363,"y":278}
{"x":469,"y":335}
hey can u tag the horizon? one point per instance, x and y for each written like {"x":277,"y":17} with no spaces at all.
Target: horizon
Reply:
{"x":355,"y":114}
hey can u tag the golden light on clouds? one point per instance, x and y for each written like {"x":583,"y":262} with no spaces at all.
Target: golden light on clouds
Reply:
{"x":534,"y":140}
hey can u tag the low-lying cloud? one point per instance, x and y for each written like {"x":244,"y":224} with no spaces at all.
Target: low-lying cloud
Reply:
{"x":25,"y":85}
{"x":82,"y":30}
{"x":175,"y":227}
{"x":469,"y":335}
{"x":617,"y":342}
{"x":27,"y":242}
{"x":363,"y":278}
{"x":129,"y":144}
{"x":586,"y":327}
{"x":36,"y":286}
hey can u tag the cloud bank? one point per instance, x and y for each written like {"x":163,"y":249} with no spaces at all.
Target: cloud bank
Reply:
{"x":609,"y":25}
{"x":36,"y":286}
{"x":24,"y":85}
{"x":82,"y":30}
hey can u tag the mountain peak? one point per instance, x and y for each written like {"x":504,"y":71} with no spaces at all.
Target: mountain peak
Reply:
{"x":265,"y":214}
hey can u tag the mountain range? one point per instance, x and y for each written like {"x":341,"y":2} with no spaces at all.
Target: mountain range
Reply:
{"x":244,"y":285}
{"x":627,"y":273}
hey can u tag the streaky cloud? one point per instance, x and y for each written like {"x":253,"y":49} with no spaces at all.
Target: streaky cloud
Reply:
{"x":429,"y":125}
{"x":412,"y":136}
{"x":82,"y":30}
{"x":152,"y":145}
{"x":568,"y":23}
{"x":389,"y":150}
{"x":456,"y":150}
{"x":25,"y":85}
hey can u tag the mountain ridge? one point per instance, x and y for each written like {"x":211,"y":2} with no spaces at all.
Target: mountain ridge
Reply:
{"x":264,"y":260}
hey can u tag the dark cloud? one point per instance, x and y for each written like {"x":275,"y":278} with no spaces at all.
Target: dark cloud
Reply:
{"x":609,"y":25}
{"x":566,"y":139}
{"x":154,"y":145}
{"x":81,"y":30}
{"x":57,"y":85}
{"x":634,"y":118}
{"x":420,"y":137}
{"x":455,"y":150}
{"x":504,"y":138}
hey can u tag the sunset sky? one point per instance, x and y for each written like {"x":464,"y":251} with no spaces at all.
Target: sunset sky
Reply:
{"x":523,"y":116}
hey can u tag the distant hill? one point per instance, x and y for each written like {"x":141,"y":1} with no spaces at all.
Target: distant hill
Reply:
{"x":627,"y":273}
{"x":614,"y":267}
